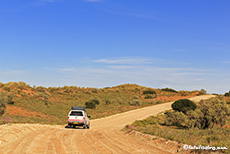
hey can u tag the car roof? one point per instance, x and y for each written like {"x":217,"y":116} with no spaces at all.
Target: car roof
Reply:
{"x":78,"y":111}
{"x":78,"y":108}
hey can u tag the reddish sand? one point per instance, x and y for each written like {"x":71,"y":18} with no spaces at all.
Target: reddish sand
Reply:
{"x":14,"y":110}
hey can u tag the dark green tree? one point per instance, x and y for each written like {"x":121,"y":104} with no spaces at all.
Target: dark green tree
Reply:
{"x":184,"y":105}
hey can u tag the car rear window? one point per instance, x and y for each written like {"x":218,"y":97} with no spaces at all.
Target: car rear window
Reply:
{"x":76,"y":113}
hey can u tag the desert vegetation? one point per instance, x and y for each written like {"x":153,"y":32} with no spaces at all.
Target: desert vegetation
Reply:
{"x":169,"y":90}
{"x":37,"y":104}
{"x":92,"y":104}
{"x":205,"y":123}
{"x":227,"y":94}
{"x":183,"y":105}
{"x":4,"y":100}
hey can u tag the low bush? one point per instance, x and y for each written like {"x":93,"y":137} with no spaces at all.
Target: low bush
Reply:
{"x":90,"y":105}
{"x":1,"y":84}
{"x":67,"y":90}
{"x":149,"y":92}
{"x":169,"y":90}
{"x":135,"y":97}
{"x":184,"y":105}
{"x":95,"y":90}
{"x":227,"y":94}
{"x":4,"y":99}
{"x":175,"y":118}
{"x":135,"y":102}
{"x":107,"y":102}
{"x":2,"y":109}
{"x":22,"y":85}
{"x":148,"y":97}
{"x":97,"y":102}
{"x":202,"y":92}
{"x":40,"y":89}
{"x":43,"y":96}
{"x":213,"y":111}
{"x":144,"y":123}
{"x":6,"y":88}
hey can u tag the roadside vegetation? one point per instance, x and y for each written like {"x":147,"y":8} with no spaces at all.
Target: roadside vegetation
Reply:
{"x":21,"y":103}
{"x":204,"y":123}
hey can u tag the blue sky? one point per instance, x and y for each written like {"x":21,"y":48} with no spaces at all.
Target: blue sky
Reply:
{"x":181,"y":44}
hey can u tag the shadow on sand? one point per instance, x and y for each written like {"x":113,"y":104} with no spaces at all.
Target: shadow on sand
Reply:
{"x":71,"y":127}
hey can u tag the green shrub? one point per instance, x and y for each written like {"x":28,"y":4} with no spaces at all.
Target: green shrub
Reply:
{"x":2,"y":109}
{"x":6,"y":88}
{"x":227,"y":94}
{"x":149,"y":92}
{"x":202,"y":92}
{"x":95,"y":90}
{"x":184,"y":105}
{"x":175,"y":118}
{"x":40,"y":89}
{"x":90,"y":105}
{"x":213,"y":111}
{"x":209,"y":114}
{"x":4,"y":99}
{"x":43,"y":95}
{"x":52,"y":90}
{"x":135,"y":102}
{"x":169,"y":90}
{"x":22,"y":85}
{"x":144,"y":123}
{"x":87,"y":92}
{"x":183,"y":93}
{"x":97,"y":102}
{"x":135,"y":97}
{"x":148,"y":97}
{"x":159,"y":102}
{"x":1,"y":85}
{"x":67,"y":90}
{"x":107,"y":102}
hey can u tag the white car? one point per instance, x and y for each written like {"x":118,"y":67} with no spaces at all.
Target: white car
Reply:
{"x":78,"y":117}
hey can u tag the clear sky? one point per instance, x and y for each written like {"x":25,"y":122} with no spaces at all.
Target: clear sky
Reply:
{"x":180,"y":44}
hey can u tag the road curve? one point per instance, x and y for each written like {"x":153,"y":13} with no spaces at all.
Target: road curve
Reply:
{"x":104,"y":136}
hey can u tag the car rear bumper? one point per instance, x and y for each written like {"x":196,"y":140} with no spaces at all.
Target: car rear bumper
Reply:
{"x":76,"y":122}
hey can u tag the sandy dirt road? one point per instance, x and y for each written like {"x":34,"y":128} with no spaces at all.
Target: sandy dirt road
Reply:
{"x":104,"y":136}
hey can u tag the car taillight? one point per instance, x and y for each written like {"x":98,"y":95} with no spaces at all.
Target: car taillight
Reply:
{"x":83,"y":117}
{"x":68,"y":117}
